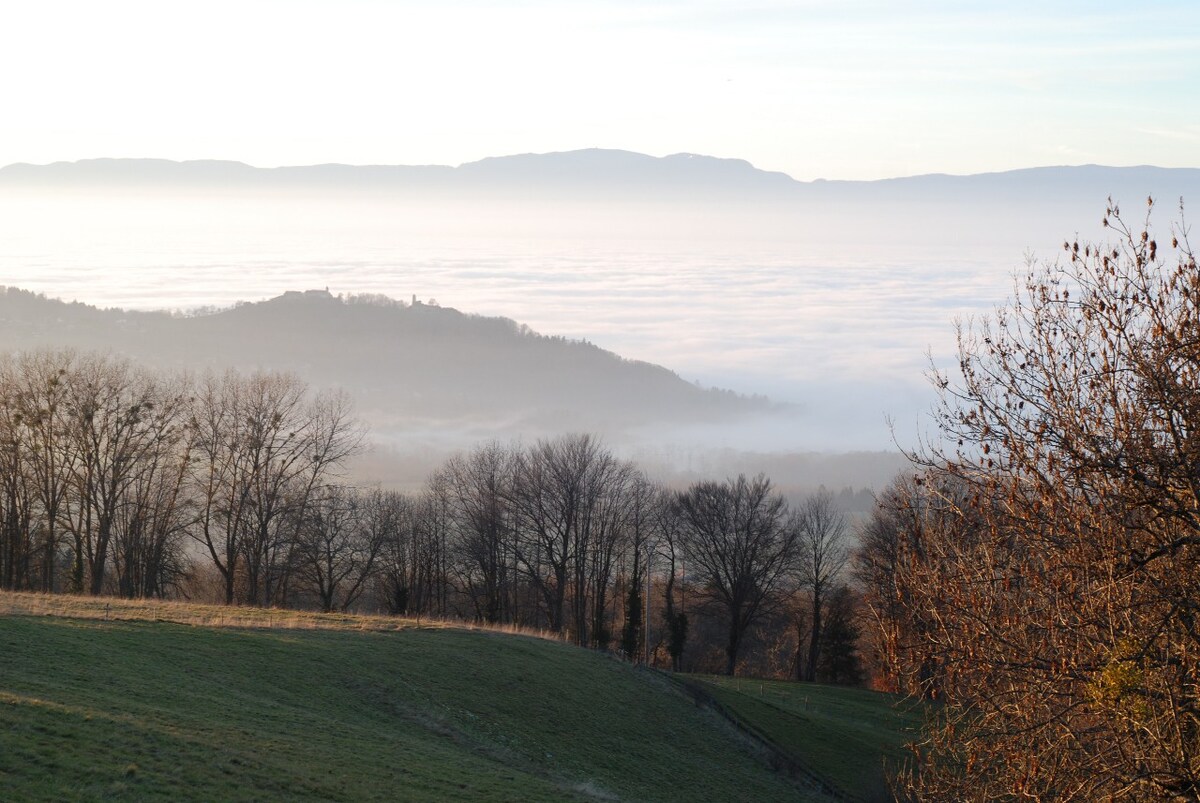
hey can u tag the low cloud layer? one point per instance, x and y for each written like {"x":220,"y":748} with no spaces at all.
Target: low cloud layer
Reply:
{"x":830,"y":303}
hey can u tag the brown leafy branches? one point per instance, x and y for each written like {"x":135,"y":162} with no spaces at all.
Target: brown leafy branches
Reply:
{"x":1047,"y":564}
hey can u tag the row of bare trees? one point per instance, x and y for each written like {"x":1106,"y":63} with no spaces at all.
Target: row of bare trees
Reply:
{"x":116,"y":479}
{"x":111,"y":473}
{"x":565,"y":536}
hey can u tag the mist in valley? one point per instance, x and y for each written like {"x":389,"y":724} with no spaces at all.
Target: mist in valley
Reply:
{"x":788,"y":318}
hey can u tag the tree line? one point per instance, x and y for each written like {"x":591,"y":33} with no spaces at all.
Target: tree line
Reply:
{"x":233,"y":487}
{"x":115,"y":478}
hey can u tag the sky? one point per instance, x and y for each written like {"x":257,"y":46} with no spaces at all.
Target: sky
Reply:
{"x":816,"y":89}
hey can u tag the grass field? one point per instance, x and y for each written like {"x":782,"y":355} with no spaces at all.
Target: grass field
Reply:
{"x":842,"y":736}
{"x":108,"y":703}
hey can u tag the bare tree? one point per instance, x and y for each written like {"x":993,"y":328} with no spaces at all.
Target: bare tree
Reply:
{"x":547,"y":498}
{"x":740,"y":546}
{"x":604,"y":528}
{"x":670,"y":534}
{"x":338,"y":544}
{"x":822,"y":557}
{"x":570,"y":513}
{"x":429,"y":538}
{"x":275,"y":448}
{"x":153,"y":518}
{"x":16,"y":488}
{"x":888,"y":538}
{"x":332,"y":436}
{"x":116,"y":416}
{"x":220,"y":475}
{"x":93,"y":447}
{"x":642,"y":519}
{"x":40,"y":381}
{"x":479,"y":487}
{"x":389,"y":515}
{"x":263,"y":447}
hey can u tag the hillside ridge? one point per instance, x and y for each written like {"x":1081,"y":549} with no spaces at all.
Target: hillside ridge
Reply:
{"x":404,"y":360}
{"x":586,"y":170}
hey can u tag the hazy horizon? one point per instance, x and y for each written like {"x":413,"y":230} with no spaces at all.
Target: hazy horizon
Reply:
{"x":828,"y":304}
{"x":832,"y":308}
{"x":934,"y":171}
{"x":818,"y":89}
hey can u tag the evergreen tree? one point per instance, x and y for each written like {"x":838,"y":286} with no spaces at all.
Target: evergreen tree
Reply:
{"x":839,"y":661}
{"x":631,"y":636}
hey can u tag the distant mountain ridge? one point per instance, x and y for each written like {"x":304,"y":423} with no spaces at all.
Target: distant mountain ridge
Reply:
{"x":591,"y":169}
{"x":404,"y":363}
{"x":597,"y":171}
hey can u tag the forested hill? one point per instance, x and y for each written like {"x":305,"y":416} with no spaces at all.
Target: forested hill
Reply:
{"x":403,"y":363}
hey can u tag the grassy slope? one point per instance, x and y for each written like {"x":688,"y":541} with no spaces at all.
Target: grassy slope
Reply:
{"x":843,"y":736}
{"x":159,"y":710}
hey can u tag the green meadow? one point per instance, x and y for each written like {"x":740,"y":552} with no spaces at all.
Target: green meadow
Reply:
{"x":156,"y":703}
{"x":844,"y":737}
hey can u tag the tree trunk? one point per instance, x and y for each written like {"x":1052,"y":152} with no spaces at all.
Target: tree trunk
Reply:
{"x":735,"y":643}
{"x":814,"y":642}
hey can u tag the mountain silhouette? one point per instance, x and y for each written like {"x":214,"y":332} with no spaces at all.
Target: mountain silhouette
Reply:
{"x":402,"y":362}
{"x":607,"y":173}
{"x":593,"y":170}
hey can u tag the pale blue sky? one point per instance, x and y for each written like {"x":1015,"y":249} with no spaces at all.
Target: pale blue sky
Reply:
{"x":816,"y":89}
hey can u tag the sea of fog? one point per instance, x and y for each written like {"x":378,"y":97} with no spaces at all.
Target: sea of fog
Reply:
{"x":833,"y":321}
